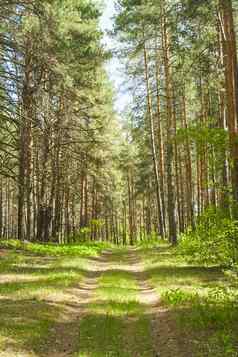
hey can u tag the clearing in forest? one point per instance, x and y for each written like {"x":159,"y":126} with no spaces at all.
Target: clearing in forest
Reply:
{"x":126,"y":302}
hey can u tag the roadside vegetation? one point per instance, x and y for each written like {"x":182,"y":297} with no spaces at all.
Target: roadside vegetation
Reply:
{"x":200,"y":295}
{"x":79,"y":249}
{"x":197,"y":301}
{"x":33,"y":281}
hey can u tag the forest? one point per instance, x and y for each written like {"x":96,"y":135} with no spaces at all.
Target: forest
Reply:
{"x":119,"y":203}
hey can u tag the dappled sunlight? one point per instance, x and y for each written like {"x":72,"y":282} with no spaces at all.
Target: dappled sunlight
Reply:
{"x":54,"y":281}
{"x":85,"y":305}
{"x":167,"y":270}
{"x":103,"y":335}
{"x":199,"y":302}
{"x":116,"y":308}
{"x":57,"y":295}
{"x":34,"y":291}
{"x":24,"y":323}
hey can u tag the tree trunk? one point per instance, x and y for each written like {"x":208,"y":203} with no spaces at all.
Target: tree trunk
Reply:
{"x":153,"y":145}
{"x":231,"y":84}
{"x":170,"y":148}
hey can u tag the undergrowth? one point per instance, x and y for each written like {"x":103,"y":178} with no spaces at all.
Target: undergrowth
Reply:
{"x":216,"y":312}
{"x":32,"y":292}
{"x":201,"y":299}
{"x":83,"y":249}
{"x":213,"y":241}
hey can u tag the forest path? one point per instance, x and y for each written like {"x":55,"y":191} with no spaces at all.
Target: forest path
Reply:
{"x":114,"y":312}
{"x":111,"y":313}
{"x":87,"y":306}
{"x":104,"y":305}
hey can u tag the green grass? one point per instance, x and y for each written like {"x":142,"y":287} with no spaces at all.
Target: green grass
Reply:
{"x":118,"y":295}
{"x":84,"y":249}
{"x":202,"y":300}
{"x":30,"y":280}
{"x":167,"y":270}
{"x":116,"y":324}
{"x":24,"y":324}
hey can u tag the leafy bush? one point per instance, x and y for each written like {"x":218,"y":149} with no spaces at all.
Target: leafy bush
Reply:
{"x":214,"y":240}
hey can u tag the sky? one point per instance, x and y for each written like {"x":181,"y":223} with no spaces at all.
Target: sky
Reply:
{"x":114,"y":67}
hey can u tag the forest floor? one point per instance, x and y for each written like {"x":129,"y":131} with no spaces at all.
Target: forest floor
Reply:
{"x":124,"y":302}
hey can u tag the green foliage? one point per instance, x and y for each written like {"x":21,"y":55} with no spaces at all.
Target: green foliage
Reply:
{"x":219,"y":305}
{"x":30,"y":24}
{"x":176,"y":297}
{"x":98,"y":223}
{"x":201,"y":134}
{"x":86,"y":249}
{"x":83,"y":235}
{"x":214,"y":240}
{"x":202,"y":301}
{"x":217,"y":310}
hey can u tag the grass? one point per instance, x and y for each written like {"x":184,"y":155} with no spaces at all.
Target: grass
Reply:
{"x":202,"y":300}
{"x":116,"y":324}
{"x":24,"y":324}
{"x":32,"y":282}
{"x":199,"y":303}
{"x":84,"y":249}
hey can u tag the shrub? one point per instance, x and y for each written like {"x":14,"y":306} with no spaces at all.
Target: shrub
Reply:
{"x":214,"y":240}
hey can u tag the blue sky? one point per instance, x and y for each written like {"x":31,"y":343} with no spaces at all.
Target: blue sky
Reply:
{"x":114,"y":68}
